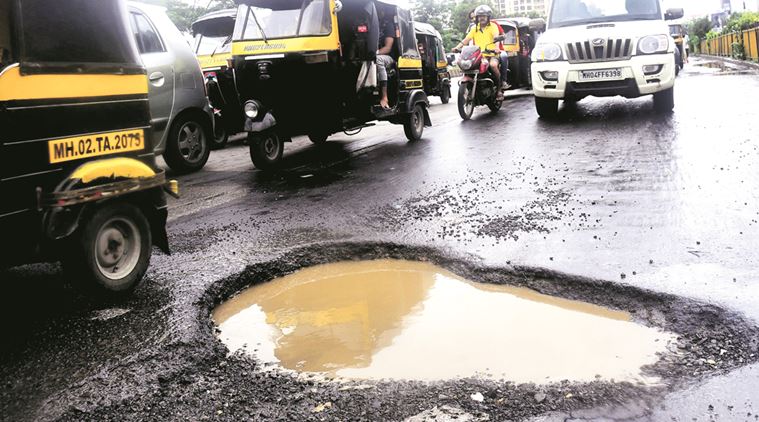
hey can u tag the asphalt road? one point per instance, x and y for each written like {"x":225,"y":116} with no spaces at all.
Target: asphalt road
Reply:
{"x":610,"y":191}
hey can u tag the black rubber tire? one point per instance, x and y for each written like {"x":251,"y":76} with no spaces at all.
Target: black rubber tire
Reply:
{"x":465,"y":114}
{"x":265,"y":156}
{"x":173,"y":156}
{"x":547,"y":108}
{"x":413,"y":127}
{"x":318,"y":139}
{"x":80,"y":261}
{"x":495,"y":105}
{"x":445,"y":96}
{"x":664,"y":101}
{"x":220,"y":135}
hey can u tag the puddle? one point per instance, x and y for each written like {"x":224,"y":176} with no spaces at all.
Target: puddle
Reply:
{"x":390,"y":319}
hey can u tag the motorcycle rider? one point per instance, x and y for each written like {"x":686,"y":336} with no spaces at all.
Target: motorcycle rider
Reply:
{"x":483,"y":34}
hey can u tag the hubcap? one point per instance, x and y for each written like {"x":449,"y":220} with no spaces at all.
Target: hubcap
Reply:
{"x":271,"y":147}
{"x":191,"y":142}
{"x":417,"y":121}
{"x":118,"y":248}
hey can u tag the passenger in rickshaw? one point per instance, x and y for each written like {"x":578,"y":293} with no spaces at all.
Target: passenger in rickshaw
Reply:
{"x":384,"y":61}
{"x":483,"y":34}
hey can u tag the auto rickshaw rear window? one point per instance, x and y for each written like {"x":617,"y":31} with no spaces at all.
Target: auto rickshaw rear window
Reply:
{"x":75,"y":31}
{"x":6,"y":56}
{"x":268,"y":19}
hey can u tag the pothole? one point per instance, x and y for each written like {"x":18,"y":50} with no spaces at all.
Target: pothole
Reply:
{"x":396,"y":319}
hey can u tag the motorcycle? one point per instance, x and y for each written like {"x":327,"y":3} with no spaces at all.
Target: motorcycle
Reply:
{"x":478,"y":86}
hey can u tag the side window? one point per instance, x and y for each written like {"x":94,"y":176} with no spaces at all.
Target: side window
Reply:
{"x":5,"y":35}
{"x":147,"y":37}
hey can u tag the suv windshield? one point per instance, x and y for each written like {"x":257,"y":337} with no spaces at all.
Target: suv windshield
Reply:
{"x":267,"y":19}
{"x":581,"y":12}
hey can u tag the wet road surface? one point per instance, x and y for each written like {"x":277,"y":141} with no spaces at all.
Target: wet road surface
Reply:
{"x":610,"y":191}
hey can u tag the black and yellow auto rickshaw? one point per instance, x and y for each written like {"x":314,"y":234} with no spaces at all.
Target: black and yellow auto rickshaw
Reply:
{"x":520,"y":36}
{"x":306,"y":67}
{"x":435,"y":74}
{"x":678,"y":34}
{"x":213,"y":48}
{"x":77,"y":177}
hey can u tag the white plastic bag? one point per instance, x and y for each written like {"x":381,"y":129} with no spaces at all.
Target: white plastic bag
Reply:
{"x":367,"y":77}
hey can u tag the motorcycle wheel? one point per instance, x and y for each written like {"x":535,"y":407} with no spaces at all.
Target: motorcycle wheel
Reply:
{"x":466,"y":105}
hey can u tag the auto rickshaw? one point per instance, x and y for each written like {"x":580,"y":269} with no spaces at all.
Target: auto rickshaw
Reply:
{"x":213,"y":47}
{"x":307,"y":67}
{"x":678,"y":34}
{"x":435,"y":74}
{"x":77,"y":177}
{"x":520,"y":36}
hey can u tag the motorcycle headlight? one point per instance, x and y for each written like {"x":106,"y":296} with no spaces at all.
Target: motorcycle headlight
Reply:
{"x":546,"y":53}
{"x":251,"y":109}
{"x":465,"y":64}
{"x":653,"y":44}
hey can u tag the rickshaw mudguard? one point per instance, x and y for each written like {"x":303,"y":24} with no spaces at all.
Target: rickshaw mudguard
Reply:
{"x":415,"y":97}
{"x":95,"y":182}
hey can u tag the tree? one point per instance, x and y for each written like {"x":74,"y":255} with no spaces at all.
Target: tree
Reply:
{"x":460,"y":15}
{"x":698,"y":28}
{"x":183,"y":14}
{"x":434,"y":12}
{"x":742,"y":20}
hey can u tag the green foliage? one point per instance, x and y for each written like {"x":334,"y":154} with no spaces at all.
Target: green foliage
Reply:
{"x":738,"y":51}
{"x":434,"y":12}
{"x":712,"y":34}
{"x":183,"y":14}
{"x":460,"y":15}
{"x":699,"y":27}
{"x":740,"y":21}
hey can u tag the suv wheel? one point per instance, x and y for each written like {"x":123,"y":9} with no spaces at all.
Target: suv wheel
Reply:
{"x":664,"y":101}
{"x":547,"y":108}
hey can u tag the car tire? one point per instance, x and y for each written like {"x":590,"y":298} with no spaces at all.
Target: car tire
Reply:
{"x":414,"y":124}
{"x":109,"y":254}
{"x":266,"y":149}
{"x":664,"y":101}
{"x":188,"y":145}
{"x":547,"y":108}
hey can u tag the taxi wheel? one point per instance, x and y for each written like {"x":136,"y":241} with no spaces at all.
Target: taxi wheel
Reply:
{"x":188,"y":145}
{"x":110,"y":253}
{"x":318,"y":139}
{"x":445,"y":96}
{"x":220,"y":135}
{"x":266,"y":149}
{"x":414,"y":124}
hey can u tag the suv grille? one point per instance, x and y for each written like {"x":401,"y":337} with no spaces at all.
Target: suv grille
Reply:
{"x":611,"y":49}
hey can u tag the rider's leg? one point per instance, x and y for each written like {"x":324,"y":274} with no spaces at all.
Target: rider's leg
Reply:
{"x":494,"y":68}
{"x":504,"y":70}
{"x":383,"y":62}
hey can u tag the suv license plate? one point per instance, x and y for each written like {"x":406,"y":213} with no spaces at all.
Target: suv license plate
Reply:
{"x":600,"y":75}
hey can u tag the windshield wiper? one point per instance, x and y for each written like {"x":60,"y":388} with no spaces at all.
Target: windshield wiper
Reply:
{"x":255,"y":18}
{"x":226,"y":41}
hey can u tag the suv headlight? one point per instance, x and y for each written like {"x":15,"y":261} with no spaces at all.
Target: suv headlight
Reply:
{"x":653,"y":44}
{"x":546,"y":53}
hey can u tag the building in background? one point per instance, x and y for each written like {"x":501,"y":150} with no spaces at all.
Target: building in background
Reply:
{"x":522,"y":7}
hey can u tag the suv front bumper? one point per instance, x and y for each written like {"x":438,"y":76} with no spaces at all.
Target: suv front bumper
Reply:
{"x":634,"y":82}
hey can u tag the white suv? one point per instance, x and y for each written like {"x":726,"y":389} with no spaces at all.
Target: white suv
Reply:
{"x":604,"y":48}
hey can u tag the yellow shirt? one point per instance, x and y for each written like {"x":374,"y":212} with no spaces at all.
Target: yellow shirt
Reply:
{"x":483,"y":37}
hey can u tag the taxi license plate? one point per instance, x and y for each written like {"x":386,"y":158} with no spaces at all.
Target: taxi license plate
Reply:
{"x":84,"y":146}
{"x":600,"y":75}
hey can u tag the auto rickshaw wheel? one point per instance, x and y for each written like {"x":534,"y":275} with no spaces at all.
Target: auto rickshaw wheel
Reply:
{"x":318,"y":138}
{"x":266,"y":149}
{"x":220,"y":134}
{"x":465,"y":103}
{"x":110,"y":253}
{"x":414,"y":124}
{"x":445,"y":95}
{"x":188,"y":144}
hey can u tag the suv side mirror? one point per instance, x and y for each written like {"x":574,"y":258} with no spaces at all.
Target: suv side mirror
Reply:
{"x":673,"y":14}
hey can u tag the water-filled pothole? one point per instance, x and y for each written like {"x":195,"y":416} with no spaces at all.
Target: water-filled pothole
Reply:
{"x":412,"y":320}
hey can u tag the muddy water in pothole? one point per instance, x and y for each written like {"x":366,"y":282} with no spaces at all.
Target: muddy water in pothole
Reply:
{"x":411,"y":320}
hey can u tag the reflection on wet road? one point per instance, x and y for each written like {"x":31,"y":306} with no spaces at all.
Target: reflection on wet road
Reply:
{"x":411,"y":320}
